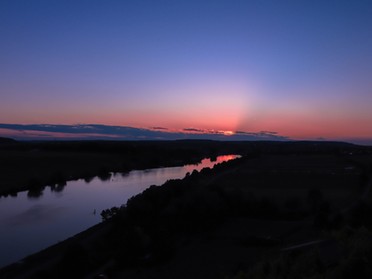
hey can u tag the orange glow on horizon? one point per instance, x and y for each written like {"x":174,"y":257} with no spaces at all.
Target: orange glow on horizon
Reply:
{"x":228,"y":133}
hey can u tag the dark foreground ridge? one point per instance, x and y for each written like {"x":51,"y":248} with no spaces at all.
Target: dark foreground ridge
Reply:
{"x":7,"y":140}
{"x":283,"y":210}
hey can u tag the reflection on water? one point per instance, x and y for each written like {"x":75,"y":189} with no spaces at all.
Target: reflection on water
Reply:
{"x":88,"y":179}
{"x":36,"y":214}
{"x":105,"y":176}
{"x":58,"y":187}
{"x":43,"y":216}
{"x":35,"y":193}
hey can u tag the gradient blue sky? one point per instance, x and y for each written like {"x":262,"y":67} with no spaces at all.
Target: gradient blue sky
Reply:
{"x":299,"y":68}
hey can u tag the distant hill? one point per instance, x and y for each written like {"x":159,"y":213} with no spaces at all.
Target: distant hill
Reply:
{"x":7,"y":140}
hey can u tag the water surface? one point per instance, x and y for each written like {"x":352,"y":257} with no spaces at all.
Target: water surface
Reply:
{"x":32,"y":221}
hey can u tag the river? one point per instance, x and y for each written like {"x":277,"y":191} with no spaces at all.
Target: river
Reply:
{"x":31,"y":222}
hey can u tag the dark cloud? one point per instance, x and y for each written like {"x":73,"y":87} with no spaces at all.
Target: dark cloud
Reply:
{"x":269,"y":132}
{"x":159,"y":128}
{"x":193,"y":130}
{"x":94,"y":131}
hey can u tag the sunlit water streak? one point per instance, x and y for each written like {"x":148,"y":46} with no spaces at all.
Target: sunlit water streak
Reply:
{"x":31,"y":224}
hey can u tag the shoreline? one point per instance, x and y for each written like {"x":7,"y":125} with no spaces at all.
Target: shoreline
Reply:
{"x":52,"y":254}
{"x":163,"y":219}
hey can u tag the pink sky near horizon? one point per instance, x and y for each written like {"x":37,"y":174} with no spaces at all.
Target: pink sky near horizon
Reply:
{"x":301,"y":69}
{"x":227,"y":103}
{"x":200,"y":109}
{"x":291,"y":126}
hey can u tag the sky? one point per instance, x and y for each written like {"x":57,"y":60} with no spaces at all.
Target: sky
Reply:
{"x":301,"y":68}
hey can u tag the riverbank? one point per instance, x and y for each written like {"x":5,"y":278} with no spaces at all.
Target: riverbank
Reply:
{"x":235,"y":219}
{"x":59,"y":212}
{"x":221,"y":222}
{"x":34,"y":165}
{"x":36,"y":264}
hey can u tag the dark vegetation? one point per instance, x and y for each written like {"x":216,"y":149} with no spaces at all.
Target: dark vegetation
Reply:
{"x":34,"y":165}
{"x":6,"y":140}
{"x":283,"y":210}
